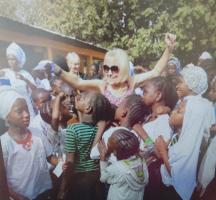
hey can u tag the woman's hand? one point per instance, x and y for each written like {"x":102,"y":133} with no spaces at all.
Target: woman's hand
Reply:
{"x":103,"y":150}
{"x":170,"y":40}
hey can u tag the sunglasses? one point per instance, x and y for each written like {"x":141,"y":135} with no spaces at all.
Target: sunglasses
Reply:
{"x":114,"y":69}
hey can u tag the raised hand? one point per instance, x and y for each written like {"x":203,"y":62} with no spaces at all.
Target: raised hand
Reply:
{"x":170,"y":40}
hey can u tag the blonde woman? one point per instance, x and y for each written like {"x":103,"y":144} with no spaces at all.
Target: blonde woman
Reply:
{"x":73,"y":62}
{"x":117,"y":83}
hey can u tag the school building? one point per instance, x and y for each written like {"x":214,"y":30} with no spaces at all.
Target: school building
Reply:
{"x":40,"y":44}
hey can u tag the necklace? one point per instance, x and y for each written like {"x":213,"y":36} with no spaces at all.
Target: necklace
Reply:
{"x":27,"y":142}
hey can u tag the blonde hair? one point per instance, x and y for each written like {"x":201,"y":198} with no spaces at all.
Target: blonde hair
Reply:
{"x":119,"y":58}
{"x":72,"y":56}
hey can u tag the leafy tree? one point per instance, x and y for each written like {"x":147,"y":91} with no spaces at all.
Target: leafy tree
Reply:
{"x":137,"y":26}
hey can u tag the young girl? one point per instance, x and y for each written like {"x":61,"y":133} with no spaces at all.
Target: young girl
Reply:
{"x":85,"y":182}
{"x":192,"y":119}
{"x":24,"y":153}
{"x":128,"y":175}
{"x":159,"y":94}
{"x":181,"y":162}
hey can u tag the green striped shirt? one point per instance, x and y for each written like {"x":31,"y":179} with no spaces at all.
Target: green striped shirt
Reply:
{"x":79,"y":139}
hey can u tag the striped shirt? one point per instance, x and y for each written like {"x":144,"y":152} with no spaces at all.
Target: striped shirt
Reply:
{"x":79,"y":139}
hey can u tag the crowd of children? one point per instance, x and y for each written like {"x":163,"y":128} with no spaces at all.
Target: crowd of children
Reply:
{"x":74,"y":139}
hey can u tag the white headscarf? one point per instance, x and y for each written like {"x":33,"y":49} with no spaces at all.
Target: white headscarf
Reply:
{"x":176,"y":62}
{"x":196,"y":78}
{"x":205,"y":55}
{"x":8,"y":97}
{"x":17,"y":51}
{"x":183,"y":156}
{"x":41,"y":65}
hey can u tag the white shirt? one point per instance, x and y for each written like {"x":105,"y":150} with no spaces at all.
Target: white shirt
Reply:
{"x":160,"y":126}
{"x":26,"y":170}
{"x":125,"y":183}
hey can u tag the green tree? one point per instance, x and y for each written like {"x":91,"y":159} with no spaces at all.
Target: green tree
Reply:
{"x":137,"y":26}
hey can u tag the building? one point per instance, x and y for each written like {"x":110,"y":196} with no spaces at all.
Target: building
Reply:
{"x":41,"y":44}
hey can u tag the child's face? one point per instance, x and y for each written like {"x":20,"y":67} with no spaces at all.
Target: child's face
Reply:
{"x":151,"y":94}
{"x":19,"y":114}
{"x":212,"y":92}
{"x":12,"y":61}
{"x":82,"y":102}
{"x":171,"y":69}
{"x":56,"y":88}
{"x":119,"y":113}
{"x":42,"y":98}
{"x":177,"y":115}
{"x":182,"y":88}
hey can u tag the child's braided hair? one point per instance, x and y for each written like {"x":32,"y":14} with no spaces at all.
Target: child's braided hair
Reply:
{"x":125,"y":143}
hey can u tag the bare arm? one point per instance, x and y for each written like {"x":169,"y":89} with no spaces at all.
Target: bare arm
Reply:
{"x":140,"y":131}
{"x":56,"y":111}
{"x":77,"y":82}
{"x":29,"y":83}
{"x":66,"y":177}
{"x":162,"y":150}
{"x":101,"y":128}
{"x":161,"y":64}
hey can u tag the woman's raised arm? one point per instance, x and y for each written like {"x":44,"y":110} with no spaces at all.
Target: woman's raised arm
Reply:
{"x":161,"y":64}
{"x":77,"y":82}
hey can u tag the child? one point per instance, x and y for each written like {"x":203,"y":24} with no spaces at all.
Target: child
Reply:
{"x":85,"y":182}
{"x":159,"y":94}
{"x":182,"y":157}
{"x":39,"y":97}
{"x":193,"y":81}
{"x":129,"y":113}
{"x":128,"y":176}
{"x":180,"y":162}
{"x":42,"y":121}
{"x":24,"y":153}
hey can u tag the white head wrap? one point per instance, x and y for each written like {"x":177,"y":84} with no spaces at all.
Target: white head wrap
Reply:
{"x":205,"y":55}
{"x":8,"y":97}
{"x":41,"y":65}
{"x":183,"y":156}
{"x":175,"y":61}
{"x":17,"y":51}
{"x":196,"y":78}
